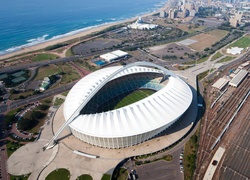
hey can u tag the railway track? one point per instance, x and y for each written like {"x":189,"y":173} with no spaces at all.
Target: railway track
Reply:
{"x":216,"y":120}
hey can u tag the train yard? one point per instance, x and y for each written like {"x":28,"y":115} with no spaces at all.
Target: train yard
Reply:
{"x":214,"y":127}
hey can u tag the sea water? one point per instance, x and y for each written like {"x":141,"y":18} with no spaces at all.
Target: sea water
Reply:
{"x":24,"y":23}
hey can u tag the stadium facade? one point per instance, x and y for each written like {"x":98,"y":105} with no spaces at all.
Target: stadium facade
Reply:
{"x":90,"y":111}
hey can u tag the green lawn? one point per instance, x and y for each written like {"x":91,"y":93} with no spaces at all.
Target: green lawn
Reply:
{"x":189,"y":158}
{"x":24,"y":177}
{"x":84,"y":177}
{"x":134,"y":97}
{"x":216,"y":56}
{"x":12,"y":147}
{"x":242,"y":42}
{"x":69,"y":73}
{"x":47,"y":71}
{"x":225,"y":59}
{"x":43,"y":57}
{"x":58,"y":101}
{"x":106,"y":177}
{"x":202,"y":75}
{"x":201,"y":60}
{"x":59,"y":174}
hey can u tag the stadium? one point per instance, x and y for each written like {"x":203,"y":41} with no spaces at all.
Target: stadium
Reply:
{"x":121,"y":106}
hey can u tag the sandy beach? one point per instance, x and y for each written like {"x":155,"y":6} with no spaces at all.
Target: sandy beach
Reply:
{"x":77,"y":35}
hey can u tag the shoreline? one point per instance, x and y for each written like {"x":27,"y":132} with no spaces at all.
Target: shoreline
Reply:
{"x":77,"y":35}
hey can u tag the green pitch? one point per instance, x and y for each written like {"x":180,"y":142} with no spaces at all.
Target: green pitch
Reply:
{"x":134,"y":97}
{"x":125,"y":99}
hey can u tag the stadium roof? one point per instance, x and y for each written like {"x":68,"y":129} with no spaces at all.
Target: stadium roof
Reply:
{"x":150,"y":113}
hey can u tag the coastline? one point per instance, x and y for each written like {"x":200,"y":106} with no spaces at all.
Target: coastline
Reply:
{"x":74,"y":36}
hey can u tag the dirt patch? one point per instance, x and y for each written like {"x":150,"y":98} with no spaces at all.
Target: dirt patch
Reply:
{"x":171,"y":51}
{"x":205,"y":40}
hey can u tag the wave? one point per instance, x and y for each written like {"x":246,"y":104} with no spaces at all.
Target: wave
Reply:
{"x":38,"y":39}
{"x":44,"y":38}
{"x":31,"y":42}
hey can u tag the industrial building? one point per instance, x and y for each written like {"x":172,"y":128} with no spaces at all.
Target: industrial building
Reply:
{"x":220,"y":83}
{"x":89,"y":119}
{"x":238,"y":78}
{"x":108,"y":57}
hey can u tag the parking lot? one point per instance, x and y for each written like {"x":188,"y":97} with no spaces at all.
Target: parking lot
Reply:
{"x":161,"y":169}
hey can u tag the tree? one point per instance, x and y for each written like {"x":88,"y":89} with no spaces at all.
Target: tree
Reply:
{"x":43,"y":107}
{"x":9,"y":120}
{"x":36,"y":115}
{"x":26,"y":124}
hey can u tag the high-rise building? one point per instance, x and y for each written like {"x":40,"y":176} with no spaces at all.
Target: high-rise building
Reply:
{"x":171,"y":14}
{"x":162,"y":14}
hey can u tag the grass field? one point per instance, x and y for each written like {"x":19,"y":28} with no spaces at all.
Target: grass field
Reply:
{"x":24,"y":177}
{"x":69,"y":74}
{"x":84,"y":177}
{"x":62,"y":174}
{"x":202,"y":75}
{"x":12,"y":147}
{"x":201,"y":60}
{"x":125,"y":99}
{"x":47,"y":71}
{"x":106,"y":177}
{"x":185,"y":27}
{"x":43,"y":57}
{"x":58,"y":101}
{"x":225,"y":59}
{"x":216,"y":56}
{"x":134,"y":97}
{"x":205,"y":40}
{"x":189,"y":159}
{"x":242,"y":42}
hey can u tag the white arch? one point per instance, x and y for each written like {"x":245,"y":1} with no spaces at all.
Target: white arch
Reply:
{"x":96,"y":89}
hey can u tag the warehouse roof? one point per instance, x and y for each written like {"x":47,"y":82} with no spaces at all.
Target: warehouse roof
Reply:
{"x":220,"y":83}
{"x":238,"y":78}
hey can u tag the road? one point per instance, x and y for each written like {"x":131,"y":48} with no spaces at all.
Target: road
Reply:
{"x":21,"y":102}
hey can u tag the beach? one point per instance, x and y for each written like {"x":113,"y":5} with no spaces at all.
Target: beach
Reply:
{"x":74,"y":36}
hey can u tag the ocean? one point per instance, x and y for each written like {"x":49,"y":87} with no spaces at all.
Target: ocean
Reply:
{"x":24,"y":23}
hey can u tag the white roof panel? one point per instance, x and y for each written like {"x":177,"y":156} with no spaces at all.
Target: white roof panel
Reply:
{"x":153,"y":112}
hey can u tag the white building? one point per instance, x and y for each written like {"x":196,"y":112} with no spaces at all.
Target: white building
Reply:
{"x":131,"y":124}
{"x":108,"y":57}
{"x":220,"y":83}
{"x":45,"y":84}
{"x":238,"y":78}
{"x":139,"y":24}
